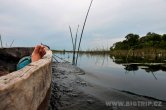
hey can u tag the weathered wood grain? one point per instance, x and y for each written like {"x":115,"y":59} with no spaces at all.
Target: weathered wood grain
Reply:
{"x":27,"y":88}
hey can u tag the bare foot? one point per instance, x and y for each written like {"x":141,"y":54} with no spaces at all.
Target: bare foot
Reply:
{"x":38,"y":53}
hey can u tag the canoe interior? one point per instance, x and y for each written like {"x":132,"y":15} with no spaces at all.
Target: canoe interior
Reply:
{"x":9,"y":58}
{"x":29,"y":87}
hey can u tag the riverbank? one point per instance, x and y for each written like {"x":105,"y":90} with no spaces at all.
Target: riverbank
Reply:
{"x":72,"y":91}
{"x":149,"y":53}
{"x":92,"y":52}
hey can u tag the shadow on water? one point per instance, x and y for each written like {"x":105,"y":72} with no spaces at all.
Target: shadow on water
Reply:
{"x":135,"y":63}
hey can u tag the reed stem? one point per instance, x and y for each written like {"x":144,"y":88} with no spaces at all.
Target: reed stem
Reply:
{"x":83,"y":29}
{"x":75,"y":45}
{"x":71,"y":35}
{"x":11,"y":43}
{"x":1,"y":42}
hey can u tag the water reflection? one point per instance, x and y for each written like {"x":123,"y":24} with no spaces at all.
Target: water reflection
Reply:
{"x":138,"y":75}
{"x":130,"y":63}
{"x":135,"y":63}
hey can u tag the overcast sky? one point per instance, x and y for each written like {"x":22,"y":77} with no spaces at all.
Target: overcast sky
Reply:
{"x":30,"y":22}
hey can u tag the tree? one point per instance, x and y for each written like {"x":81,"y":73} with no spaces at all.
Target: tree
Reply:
{"x":162,"y":44}
{"x":153,"y":37}
{"x":132,"y":39}
{"x":164,"y":37}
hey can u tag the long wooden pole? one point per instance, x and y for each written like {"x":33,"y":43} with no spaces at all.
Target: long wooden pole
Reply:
{"x":71,"y":35}
{"x":75,"y":46}
{"x":73,"y":62}
{"x":83,"y":30}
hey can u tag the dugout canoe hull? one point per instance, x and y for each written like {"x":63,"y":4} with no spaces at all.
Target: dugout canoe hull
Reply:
{"x":28,"y":88}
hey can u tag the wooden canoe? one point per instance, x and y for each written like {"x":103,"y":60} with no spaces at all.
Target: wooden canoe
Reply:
{"x":28,"y":88}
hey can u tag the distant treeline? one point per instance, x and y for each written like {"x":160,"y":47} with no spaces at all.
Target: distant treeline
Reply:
{"x":134,"y":41}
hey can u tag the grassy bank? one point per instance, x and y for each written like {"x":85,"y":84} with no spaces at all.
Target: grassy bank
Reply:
{"x":85,"y":52}
{"x":150,"y":53}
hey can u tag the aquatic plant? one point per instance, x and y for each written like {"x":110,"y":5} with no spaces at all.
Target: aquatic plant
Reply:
{"x":74,"y":42}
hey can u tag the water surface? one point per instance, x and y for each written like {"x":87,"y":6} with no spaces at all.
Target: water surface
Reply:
{"x":147,"y":79}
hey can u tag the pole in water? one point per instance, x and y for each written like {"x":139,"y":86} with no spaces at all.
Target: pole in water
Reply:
{"x":83,"y":30}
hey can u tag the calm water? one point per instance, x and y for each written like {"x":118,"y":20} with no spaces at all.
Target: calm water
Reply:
{"x":147,"y":80}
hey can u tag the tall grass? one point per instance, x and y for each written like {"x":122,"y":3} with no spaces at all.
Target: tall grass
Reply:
{"x":1,"y":41}
{"x":74,"y":43}
{"x":6,"y":43}
{"x":83,"y":29}
{"x":71,"y":35}
{"x":11,"y":43}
